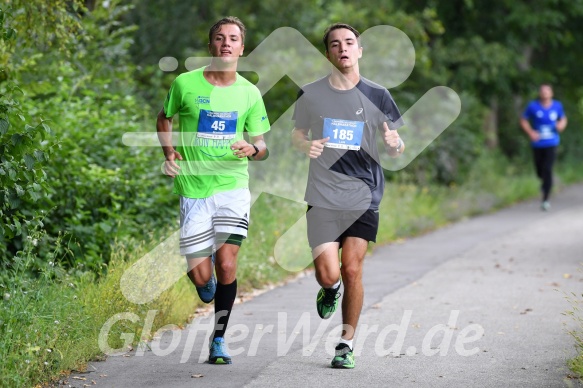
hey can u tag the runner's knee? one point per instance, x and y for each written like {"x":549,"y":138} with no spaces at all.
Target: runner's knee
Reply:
{"x":328,"y":278}
{"x":351,"y":272}
{"x":226,"y":267}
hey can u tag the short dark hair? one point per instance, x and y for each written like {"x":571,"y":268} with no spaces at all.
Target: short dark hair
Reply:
{"x":228,"y":20}
{"x":337,"y":26}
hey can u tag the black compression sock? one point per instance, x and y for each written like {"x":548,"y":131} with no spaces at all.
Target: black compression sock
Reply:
{"x":224,"y":299}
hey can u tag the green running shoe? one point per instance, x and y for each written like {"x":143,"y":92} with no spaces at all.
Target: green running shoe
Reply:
{"x":344,"y":358}
{"x":218,"y":353}
{"x":327,"y":301}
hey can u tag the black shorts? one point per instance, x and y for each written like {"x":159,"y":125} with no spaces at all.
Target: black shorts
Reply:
{"x":326,"y":225}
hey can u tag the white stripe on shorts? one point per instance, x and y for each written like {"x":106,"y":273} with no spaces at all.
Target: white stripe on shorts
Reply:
{"x":202,"y":218}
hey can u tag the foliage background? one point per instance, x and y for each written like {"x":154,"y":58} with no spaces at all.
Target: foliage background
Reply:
{"x":79,"y":74}
{"x":77,"y":206}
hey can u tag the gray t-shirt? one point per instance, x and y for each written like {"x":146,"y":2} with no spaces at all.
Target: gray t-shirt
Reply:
{"x":348,"y":175}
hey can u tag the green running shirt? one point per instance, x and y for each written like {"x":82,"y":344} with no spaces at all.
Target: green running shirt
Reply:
{"x":212,"y":118}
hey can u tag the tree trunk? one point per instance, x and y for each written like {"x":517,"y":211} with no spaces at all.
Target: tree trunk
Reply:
{"x":524,"y":65}
{"x":491,"y":124}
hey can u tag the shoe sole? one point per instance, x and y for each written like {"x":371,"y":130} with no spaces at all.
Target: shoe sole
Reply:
{"x":325,"y":317}
{"x":220,"y":361}
{"x":205,"y":301}
{"x":340,"y":365}
{"x":343,"y":366}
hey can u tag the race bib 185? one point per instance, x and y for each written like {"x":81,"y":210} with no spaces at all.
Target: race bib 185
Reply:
{"x":343,"y":134}
{"x":217,"y":125}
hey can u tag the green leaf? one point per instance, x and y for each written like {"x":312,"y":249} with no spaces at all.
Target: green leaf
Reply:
{"x":4,"y":124}
{"x":34,"y":195}
{"x":19,"y":190}
{"x":39,"y":155}
{"x":9,"y":34}
{"x":29,"y":161}
{"x":105,"y":227}
{"x":13,"y":202}
{"x":27,"y":175}
{"x":17,"y":138}
{"x":17,"y":226}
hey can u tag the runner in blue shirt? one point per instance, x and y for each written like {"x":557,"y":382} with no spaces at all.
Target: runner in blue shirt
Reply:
{"x":543,"y":120}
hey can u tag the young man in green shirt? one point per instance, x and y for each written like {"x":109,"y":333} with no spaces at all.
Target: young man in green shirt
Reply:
{"x":209,"y":166}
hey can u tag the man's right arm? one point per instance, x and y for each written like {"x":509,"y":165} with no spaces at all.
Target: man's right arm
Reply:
{"x":527,"y":128}
{"x":525,"y":124}
{"x":164,"y":130}
{"x":301,"y":142}
{"x":300,"y":136}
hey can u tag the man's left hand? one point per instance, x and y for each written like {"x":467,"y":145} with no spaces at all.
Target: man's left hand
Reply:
{"x":242,"y":149}
{"x":391,"y":137}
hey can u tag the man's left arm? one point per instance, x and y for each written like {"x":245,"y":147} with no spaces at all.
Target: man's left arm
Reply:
{"x":256,"y":125}
{"x":392,"y":120}
{"x":393,"y":142}
{"x":561,"y":124}
{"x":255,"y":150}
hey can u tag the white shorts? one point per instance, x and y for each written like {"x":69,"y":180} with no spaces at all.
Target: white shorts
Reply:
{"x":202,"y":218}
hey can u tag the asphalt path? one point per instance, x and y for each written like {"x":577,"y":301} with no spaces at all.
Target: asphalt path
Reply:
{"x":481,"y":302}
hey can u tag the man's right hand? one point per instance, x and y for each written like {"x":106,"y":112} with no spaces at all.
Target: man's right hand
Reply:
{"x":170,"y":167}
{"x":315,"y":147}
{"x":534,"y":135}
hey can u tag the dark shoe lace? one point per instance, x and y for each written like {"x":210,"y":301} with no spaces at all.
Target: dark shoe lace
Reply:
{"x":330,"y":296}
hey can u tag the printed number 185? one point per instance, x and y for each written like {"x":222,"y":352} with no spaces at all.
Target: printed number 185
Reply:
{"x":343,"y":134}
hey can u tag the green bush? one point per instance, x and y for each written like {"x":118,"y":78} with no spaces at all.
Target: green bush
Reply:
{"x":25,"y":147}
{"x":93,"y":189}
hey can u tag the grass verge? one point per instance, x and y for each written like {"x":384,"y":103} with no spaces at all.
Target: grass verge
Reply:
{"x":576,"y":314}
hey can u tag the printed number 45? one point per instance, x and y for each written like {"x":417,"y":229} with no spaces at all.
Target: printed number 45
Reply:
{"x":218,"y":125}
{"x":343,"y":134}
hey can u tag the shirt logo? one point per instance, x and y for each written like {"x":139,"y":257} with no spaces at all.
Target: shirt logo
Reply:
{"x":359,"y":111}
{"x":203,"y":100}
{"x":264,"y":118}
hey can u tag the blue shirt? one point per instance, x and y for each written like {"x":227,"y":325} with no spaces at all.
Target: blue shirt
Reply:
{"x":544,"y":121}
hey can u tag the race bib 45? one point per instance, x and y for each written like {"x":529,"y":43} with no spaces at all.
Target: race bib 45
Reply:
{"x":217,"y":125}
